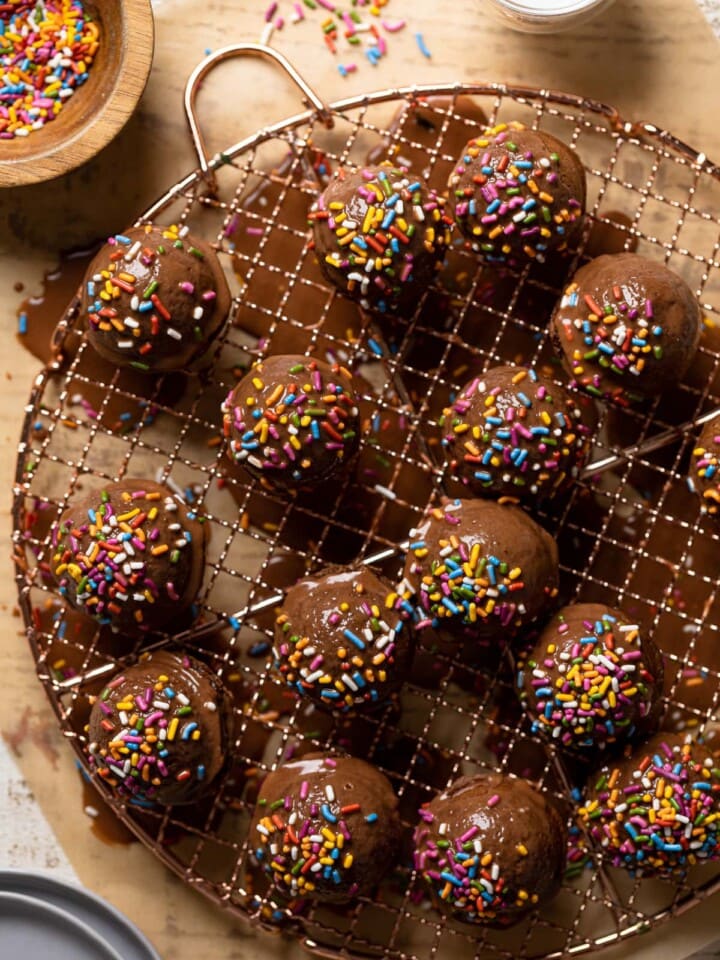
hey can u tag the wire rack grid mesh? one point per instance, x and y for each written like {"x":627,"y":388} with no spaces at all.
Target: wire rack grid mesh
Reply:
{"x":631,"y":536}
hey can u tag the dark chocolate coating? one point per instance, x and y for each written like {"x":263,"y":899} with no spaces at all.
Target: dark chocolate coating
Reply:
{"x":502,"y":843}
{"x":134,"y":574}
{"x":626,"y":327}
{"x":400,"y":228}
{"x":286,"y":441}
{"x":304,"y":806}
{"x":512,"y":432}
{"x":517,"y":193}
{"x":704,"y":472}
{"x":173,"y":714}
{"x":592,"y":679}
{"x":513,"y":569}
{"x":656,"y":811}
{"x":154,"y":299}
{"x":339,"y":643}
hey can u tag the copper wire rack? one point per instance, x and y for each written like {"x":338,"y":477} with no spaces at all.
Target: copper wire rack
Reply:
{"x":630,"y":532}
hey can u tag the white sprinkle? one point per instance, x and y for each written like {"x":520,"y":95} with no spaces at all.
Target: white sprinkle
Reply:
{"x":132,"y":252}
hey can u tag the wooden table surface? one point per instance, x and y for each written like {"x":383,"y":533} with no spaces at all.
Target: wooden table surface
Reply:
{"x":655,"y":60}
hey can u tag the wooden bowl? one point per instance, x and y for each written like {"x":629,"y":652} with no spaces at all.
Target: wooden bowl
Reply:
{"x":99,"y":109}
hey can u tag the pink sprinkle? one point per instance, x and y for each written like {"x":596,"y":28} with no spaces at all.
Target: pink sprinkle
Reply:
{"x":392,"y":26}
{"x":494,"y":799}
{"x":304,"y":790}
{"x":270,"y":12}
{"x":328,"y":6}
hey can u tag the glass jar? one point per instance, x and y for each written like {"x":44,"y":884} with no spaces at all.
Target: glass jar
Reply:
{"x":545,"y":16}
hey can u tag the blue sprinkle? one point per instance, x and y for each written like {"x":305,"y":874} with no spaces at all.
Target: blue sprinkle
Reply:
{"x":349,"y":635}
{"x":422,"y":46}
{"x":328,"y":814}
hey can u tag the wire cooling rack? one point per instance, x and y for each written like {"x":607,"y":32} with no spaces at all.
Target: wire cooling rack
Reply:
{"x":630,"y":533}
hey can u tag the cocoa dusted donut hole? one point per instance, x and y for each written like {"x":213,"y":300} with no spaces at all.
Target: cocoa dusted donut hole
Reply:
{"x":592,"y":679}
{"x":380,"y":234}
{"x":161,"y":730}
{"x":490,"y":848}
{"x":129,"y":554}
{"x":479,"y":570}
{"x":292,"y":421}
{"x":342,"y":640}
{"x":626,"y":327}
{"x":154,"y":299}
{"x":517,"y":194}
{"x":705,"y":467}
{"x":512,"y":432}
{"x":656,"y":811}
{"x":325,"y":828}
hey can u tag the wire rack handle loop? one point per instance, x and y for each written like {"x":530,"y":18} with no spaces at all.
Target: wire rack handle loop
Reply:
{"x":310,"y":98}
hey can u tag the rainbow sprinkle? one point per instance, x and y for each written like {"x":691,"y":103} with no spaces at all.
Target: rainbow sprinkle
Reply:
{"x":508,"y":201}
{"x":587,"y":682}
{"x":355,"y":667}
{"x":658,"y":812}
{"x":47,"y":48}
{"x":514,"y":432}
{"x":361,"y":30}
{"x":104,"y":561}
{"x":620,"y":337}
{"x":147,"y":740}
{"x":296,"y":429}
{"x":305,"y":838}
{"x":377,"y":231}
{"x":130,"y":299}
{"x":461,"y":584}
{"x":462,"y":872}
{"x":705,"y":463}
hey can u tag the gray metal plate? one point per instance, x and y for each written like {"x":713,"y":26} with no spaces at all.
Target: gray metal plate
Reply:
{"x":41,"y":917}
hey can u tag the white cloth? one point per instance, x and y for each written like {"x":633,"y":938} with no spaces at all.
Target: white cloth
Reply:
{"x":34,"y":847}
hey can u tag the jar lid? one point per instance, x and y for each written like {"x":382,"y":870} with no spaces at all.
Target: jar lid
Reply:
{"x":544,"y":9}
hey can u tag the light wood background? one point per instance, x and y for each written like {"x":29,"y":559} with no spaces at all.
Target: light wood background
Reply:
{"x":655,"y":60}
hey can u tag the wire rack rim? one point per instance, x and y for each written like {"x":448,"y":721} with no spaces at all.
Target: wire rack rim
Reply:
{"x":616,"y":127}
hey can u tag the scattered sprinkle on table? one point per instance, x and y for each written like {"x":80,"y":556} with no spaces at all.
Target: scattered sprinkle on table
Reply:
{"x":46,"y":50}
{"x":358,"y":27}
